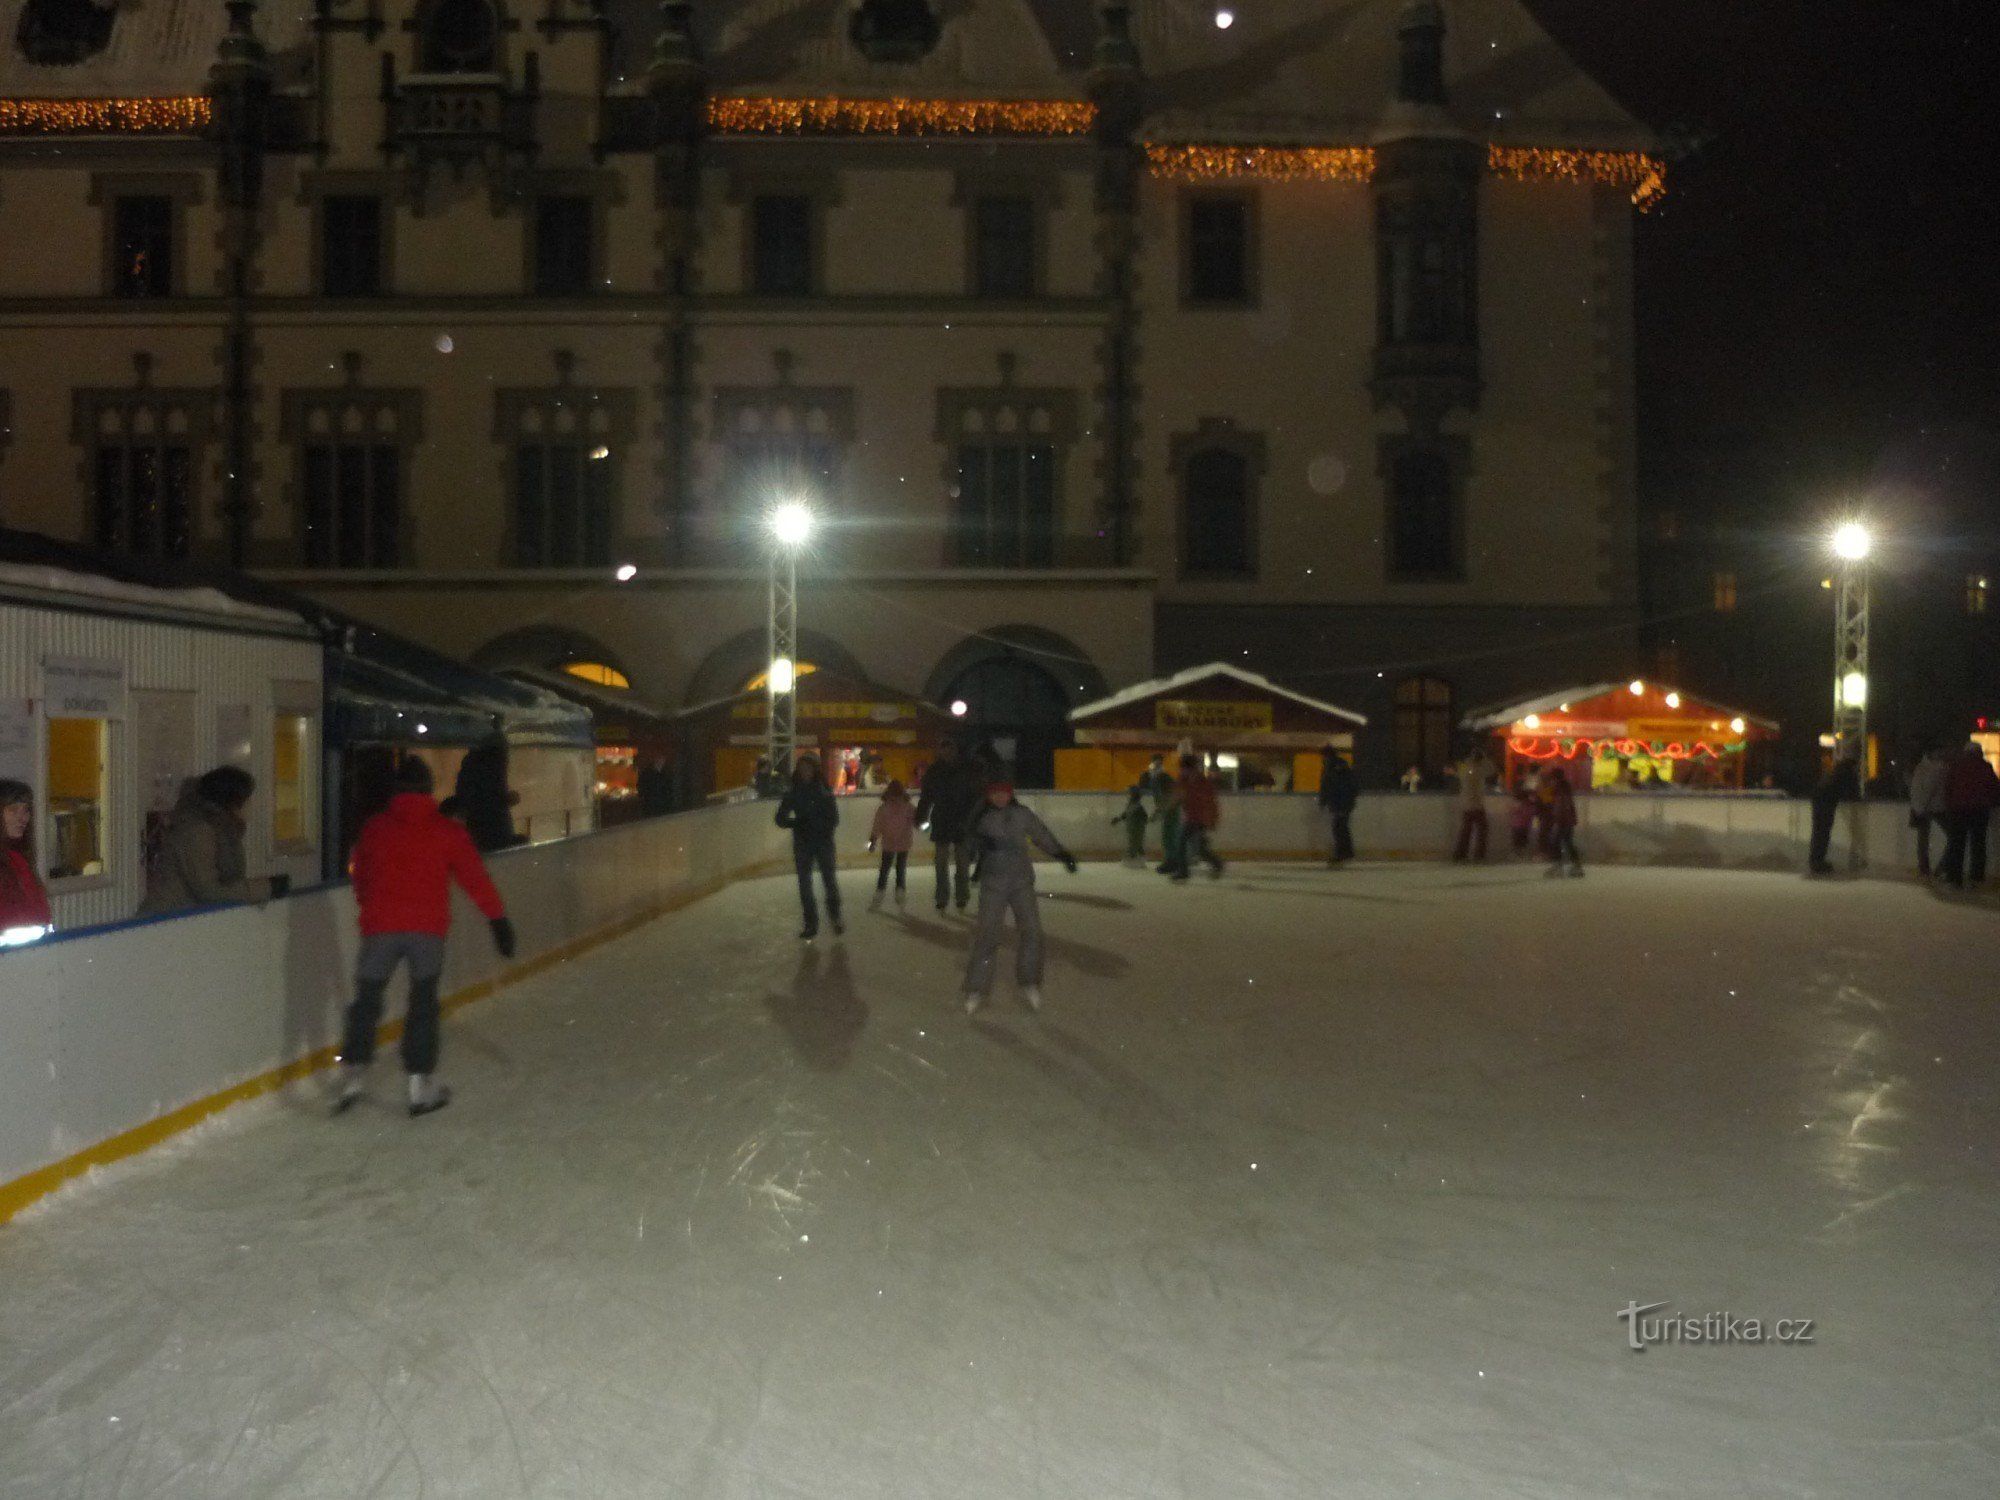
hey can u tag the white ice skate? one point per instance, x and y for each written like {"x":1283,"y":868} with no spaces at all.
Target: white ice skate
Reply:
{"x":353,"y":1087}
{"x":427,"y":1095}
{"x":1031,"y":997}
{"x":973,"y":1002}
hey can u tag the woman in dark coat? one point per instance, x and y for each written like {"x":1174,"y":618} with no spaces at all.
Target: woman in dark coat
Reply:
{"x":808,"y":808}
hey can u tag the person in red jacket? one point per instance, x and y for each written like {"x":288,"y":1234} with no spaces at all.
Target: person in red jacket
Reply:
{"x":24,"y":904}
{"x":1200,"y":812}
{"x":404,"y":862}
{"x":1970,"y":792}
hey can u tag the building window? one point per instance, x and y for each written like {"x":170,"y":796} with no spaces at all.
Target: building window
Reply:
{"x":291,"y":759}
{"x":599,"y":673}
{"x":142,"y":245}
{"x":1423,"y":723}
{"x":1725,"y":592}
{"x":79,"y":795}
{"x":781,"y":245}
{"x":565,"y":258}
{"x":351,"y":450}
{"x":567,"y":449}
{"x":63,"y":33}
{"x":459,"y":36}
{"x":1218,"y":539}
{"x":1003,"y":247}
{"x":1004,"y":513}
{"x":143,"y":450}
{"x":1423,"y":528}
{"x":1218,"y":266}
{"x":350,"y":245}
{"x":1426,"y":293}
{"x":1667,"y":525}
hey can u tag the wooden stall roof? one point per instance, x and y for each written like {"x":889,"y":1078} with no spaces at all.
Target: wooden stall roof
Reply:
{"x":1217,"y":681}
{"x":1604,"y":703}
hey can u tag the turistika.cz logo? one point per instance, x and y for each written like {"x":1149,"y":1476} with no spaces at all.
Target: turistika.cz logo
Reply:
{"x":1642,"y":1331}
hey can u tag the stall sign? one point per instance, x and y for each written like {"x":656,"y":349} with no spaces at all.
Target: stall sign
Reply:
{"x":867,"y":713}
{"x":83,"y":687}
{"x":878,"y":736}
{"x":1186,"y":715}
{"x":1577,"y":729}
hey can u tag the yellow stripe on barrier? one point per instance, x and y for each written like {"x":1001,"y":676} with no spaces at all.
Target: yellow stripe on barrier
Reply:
{"x":38,"y":1184}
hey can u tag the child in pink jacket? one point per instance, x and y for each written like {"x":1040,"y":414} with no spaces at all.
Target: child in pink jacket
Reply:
{"x":894,"y":830}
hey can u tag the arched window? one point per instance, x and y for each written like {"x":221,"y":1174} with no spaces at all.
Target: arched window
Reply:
{"x":1018,"y":709}
{"x":1423,"y":723}
{"x":1423,"y":515}
{"x":1217,"y":522}
{"x":459,"y":36}
{"x":894,"y":31}
{"x":597,"y":672}
{"x":62,"y":33}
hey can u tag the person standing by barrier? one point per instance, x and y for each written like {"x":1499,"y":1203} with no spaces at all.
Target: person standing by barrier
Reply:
{"x":947,"y":799}
{"x":809,"y":809}
{"x":24,"y":903}
{"x":1201,"y":813}
{"x":1562,"y":824}
{"x":1970,"y":791}
{"x":405,"y":861}
{"x":1003,"y":831}
{"x":1473,"y":773}
{"x":1522,"y":815}
{"x":1338,"y":795}
{"x":1927,"y":809}
{"x":1134,"y":817}
{"x":894,"y":830}
{"x":201,"y":860}
{"x":1841,"y":784}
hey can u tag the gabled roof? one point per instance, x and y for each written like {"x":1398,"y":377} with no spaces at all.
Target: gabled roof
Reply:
{"x":158,"y":48}
{"x":1160,"y":686}
{"x":1500,"y":716}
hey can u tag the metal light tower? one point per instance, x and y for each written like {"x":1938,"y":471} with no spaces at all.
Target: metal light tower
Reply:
{"x":791,"y":527}
{"x":1851,"y":544}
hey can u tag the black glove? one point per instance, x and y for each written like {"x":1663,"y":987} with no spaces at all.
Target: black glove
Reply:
{"x":503,"y":936}
{"x":279,"y":885}
{"x":1069,"y":861}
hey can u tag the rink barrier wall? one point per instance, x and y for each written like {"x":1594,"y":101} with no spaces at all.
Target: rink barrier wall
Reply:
{"x":114,"y":1040}
{"x":117,"y":1039}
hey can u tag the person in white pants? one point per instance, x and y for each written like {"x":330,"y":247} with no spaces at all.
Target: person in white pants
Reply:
{"x":1002,"y":833}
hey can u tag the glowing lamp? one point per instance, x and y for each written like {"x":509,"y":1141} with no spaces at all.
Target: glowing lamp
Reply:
{"x":792,"y":524}
{"x":1854,"y":690}
{"x":1673,"y":700}
{"x":1851,"y":541}
{"x":960,"y":708}
{"x":782,"y":675}
{"x":600,"y":451}
{"x":1224,"y":19}
{"x":1638,"y":688}
{"x":626,"y":572}
{"x":1737,"y":726}
{"x":1533,"y":721}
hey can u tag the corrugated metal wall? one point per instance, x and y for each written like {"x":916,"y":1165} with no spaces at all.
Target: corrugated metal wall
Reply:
{"x":219,"y":668}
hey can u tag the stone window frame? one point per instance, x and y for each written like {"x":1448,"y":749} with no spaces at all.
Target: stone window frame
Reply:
{"x":296,"y":409}
{"x":1224,"y":435}
{"x":611,"y":415}
{"x":182,"y":190}
{"x":822,"y":190}
{"x":1253,"y":248}
{"x":1045,"y":196}
{"x":1457,"y":455}
{"x":392,"y":188}
{"x":524,"y":193}
{"x":980,"y":413}
{"x":193,"y":406}
{"x":505,"y":26}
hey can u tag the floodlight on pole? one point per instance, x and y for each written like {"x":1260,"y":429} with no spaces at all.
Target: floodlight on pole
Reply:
{"x":1852,"y":543}
{"x":792,"y":524}
{"x":791,"y":527}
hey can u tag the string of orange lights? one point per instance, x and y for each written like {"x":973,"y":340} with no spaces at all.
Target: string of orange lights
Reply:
{"x":1645,"y":175}
{"x":1186,"y":163}
{"x":181,"y":115}
{"x":826,"y":116}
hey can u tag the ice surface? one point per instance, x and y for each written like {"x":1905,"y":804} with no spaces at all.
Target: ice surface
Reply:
{"x":1305,"y":1184}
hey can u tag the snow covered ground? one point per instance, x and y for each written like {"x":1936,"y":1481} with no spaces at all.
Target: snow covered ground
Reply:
{"x":1306,"y":1184}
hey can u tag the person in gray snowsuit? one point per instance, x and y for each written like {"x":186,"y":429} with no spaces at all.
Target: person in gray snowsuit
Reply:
{"x":1001,"y":832}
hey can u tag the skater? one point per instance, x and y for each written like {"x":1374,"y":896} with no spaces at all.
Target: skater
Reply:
{"x":24,"y":904}
{"x":808,"y":808}
{"x":1201,"y":811}
{"x":1337,"y":796}
{"x":1521,"y":814}
{"x":1003,"y":830}
{"x":1168,"y":810}
{"x":405,"y":860}
{"x":1562,"y":823}
{"x":201,"y":860}
{"x":1927,"y":809}
{"x":947,"y":798}
{"x":1473,"y":773}
{"x":1134,"y":817}
{"x":1970,"y":791}
{"x":1841,"y":784}
{"x":894,"y":830}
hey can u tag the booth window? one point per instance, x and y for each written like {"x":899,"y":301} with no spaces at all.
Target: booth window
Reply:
{"x":1423,"y":723}
{"x":1423,"y":526}
{"x":1217,"y":519}
{"x":1217,"y":233}
{"x":1004,"y":513}
{"x":1003,"y":247}
{"x":79,"y":795}
{"x":781,"y":245}
{"x":350,"y":245}
{"x":565,"y":246}
{"x":291,"y":760}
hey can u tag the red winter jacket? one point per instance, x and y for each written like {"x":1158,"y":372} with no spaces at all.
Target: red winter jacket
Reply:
{"x":1199,"y":808}
{"x":23,"y":902}
{"x":404,"y":863}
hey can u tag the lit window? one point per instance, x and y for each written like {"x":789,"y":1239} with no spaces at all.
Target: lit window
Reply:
{"x":290,"y":757}
{"x":597,"y":672}
{"x":1975,"y":593}
{"x":1725,"y":591}
{"x":79,"y":794}
{"x":762,"y":680}
{"x":142,"y":246}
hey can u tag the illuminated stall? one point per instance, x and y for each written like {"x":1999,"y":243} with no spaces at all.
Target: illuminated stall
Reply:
{"x":866,"y":735}
{"x":1262,"y":736}
{"x":1631,"y":736}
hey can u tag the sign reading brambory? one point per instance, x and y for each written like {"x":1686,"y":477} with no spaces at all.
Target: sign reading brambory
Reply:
{"x":1187,"y":714}
{"x":83,"y":687}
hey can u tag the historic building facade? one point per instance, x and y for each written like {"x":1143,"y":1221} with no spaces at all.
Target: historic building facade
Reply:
{"x":1102,"y":340}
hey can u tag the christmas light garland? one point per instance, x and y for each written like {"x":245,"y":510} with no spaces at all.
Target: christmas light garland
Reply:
{"x":766,"y":116}
{"x":1261,"y":163}
{"x":1645,"y":175}
{"x":182,"y":115}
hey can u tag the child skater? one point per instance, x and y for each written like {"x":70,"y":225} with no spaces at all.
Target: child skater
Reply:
{"x":894,"y":830}
{"x":1521,"y":817}
{"x":808,"y":809}
{"x":1562,"y":822}
{"x":1135,"y":817}
{"x":1001,"y":831}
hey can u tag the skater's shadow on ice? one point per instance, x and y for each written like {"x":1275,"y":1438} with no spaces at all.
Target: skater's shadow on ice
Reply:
{"x":1073,"y":898}
{"x":822,"y":1016}
{"x":1099,"y":963}
{"x":1086,"y":1073}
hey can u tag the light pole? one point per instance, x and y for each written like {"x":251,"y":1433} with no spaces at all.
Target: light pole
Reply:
{"x":791,"y":526}
{"x":1851,"y":544}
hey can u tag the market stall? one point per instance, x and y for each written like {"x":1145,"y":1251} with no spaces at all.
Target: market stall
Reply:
{"x":865,"y":734}
{"x":637,"y":774}
{"x":1261,"y":736}
{"x":1632,"y":736}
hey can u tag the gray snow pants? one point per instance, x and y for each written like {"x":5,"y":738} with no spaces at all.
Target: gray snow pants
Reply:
{"x":995,"y":901}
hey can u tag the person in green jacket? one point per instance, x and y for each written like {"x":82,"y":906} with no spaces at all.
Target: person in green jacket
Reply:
{"x":1135,"y":817}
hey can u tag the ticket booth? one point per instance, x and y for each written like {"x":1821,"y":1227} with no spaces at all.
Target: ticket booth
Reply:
{"x":1626,"y":736}
{"x":1259,"y":736}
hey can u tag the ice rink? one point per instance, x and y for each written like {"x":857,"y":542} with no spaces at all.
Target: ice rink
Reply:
{"x":1306,"y":1184}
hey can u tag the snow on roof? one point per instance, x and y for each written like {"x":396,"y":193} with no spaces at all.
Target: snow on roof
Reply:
{"x":32,"y":583}
{"x":1502,"y":716}
{"x":157,"y":49}
{"x":1141,"y":691}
